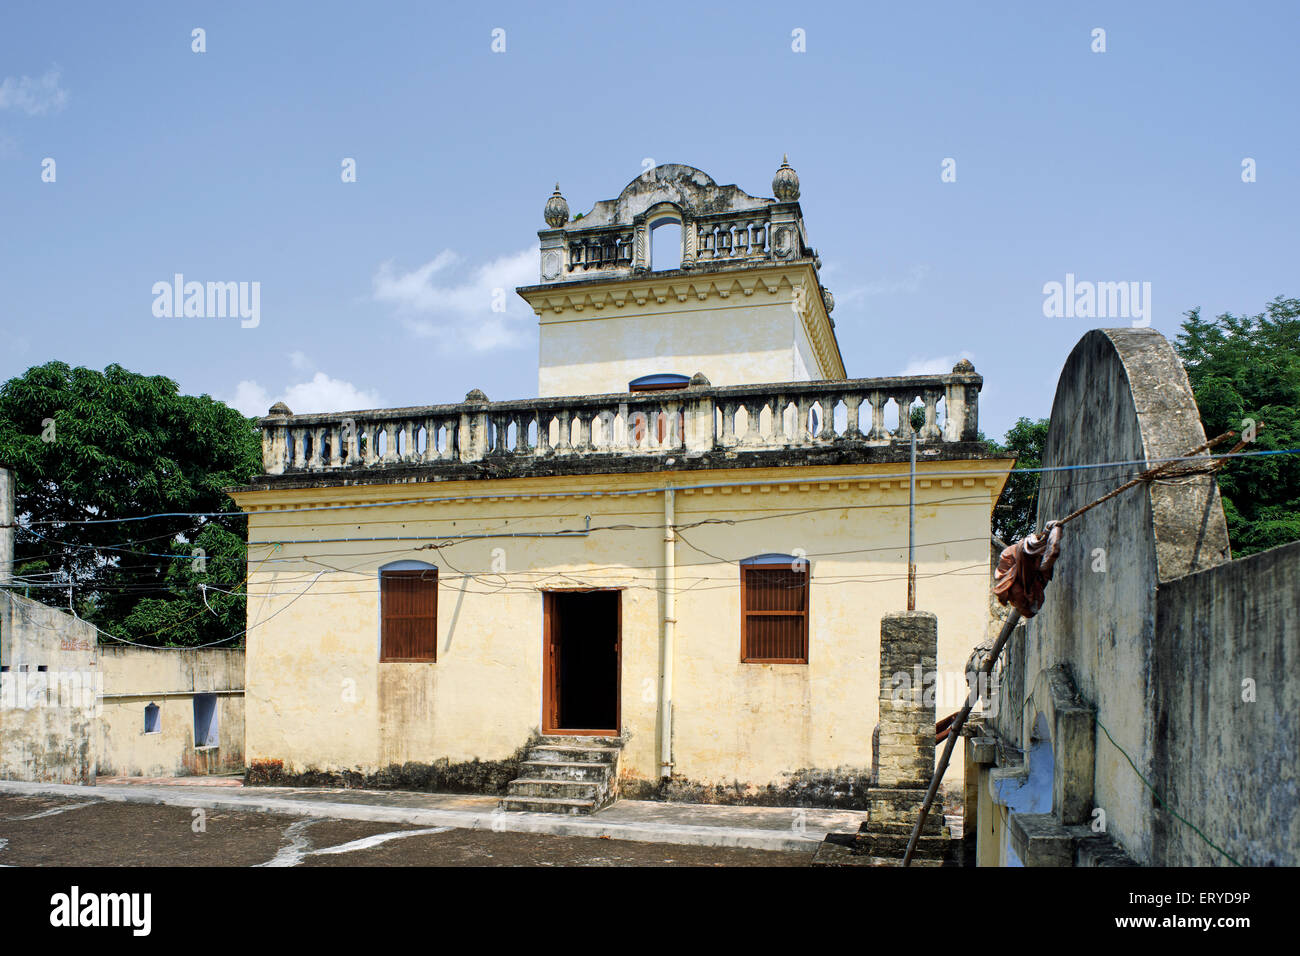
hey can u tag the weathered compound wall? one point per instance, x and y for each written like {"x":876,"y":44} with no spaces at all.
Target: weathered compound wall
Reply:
{"x":48,"y":693}
{"x":1226,"y":702}
{"x":170,"y":679}
{"x":71,"y":710}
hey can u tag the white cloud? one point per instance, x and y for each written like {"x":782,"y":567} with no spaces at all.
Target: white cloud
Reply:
{"x":899,"y":285}
{"x":939,"y":365}
{"x":479,"y":310}
{"x":250,"y":398}
{"x":321,"y":394}
{"x":33,"y":96}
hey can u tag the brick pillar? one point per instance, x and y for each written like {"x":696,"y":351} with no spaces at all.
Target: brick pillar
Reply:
{"x":909,"y":645}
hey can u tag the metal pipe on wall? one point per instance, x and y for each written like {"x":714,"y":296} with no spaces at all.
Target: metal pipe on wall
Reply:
{"x":670,"y":627}
{"x":911,"y":531}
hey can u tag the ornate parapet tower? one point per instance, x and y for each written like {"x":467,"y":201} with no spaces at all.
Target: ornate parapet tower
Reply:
{"x":723,"y":227}
{"x":743,"y":306}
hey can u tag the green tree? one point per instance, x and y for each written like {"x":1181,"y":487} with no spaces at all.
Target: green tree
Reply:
{"x":89,"y":446}
{"x":1017,"y":509}
{"x":1248,"y":368}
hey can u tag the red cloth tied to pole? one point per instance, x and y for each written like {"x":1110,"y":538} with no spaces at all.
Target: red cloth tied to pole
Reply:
{"x":1024,"y":569}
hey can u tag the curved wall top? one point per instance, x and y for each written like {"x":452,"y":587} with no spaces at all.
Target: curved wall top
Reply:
{"x":1122,"y":396}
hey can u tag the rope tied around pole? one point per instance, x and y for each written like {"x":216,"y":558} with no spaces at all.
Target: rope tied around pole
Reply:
{"x":1024,"y":569}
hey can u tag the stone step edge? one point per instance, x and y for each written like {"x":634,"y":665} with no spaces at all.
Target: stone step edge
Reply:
{"x":566,"y":801}
{"x":552,"y":781}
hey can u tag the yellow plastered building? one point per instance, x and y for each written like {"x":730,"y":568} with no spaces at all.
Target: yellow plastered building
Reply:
{"x":675,"y":560}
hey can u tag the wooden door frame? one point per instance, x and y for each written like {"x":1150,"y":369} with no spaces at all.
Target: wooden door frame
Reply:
{"x":550,"y":677}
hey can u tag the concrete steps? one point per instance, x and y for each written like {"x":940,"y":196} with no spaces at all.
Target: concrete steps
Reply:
{"x":582,"y":740}
{"x":566,"y":774}
{"x":564,"y":770}
{"x":543,"y":787}
{"x":523,"y":804}
{"x":569,"y":753}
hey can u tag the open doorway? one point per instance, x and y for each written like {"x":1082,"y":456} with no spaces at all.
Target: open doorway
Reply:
{"x":582,"y":650}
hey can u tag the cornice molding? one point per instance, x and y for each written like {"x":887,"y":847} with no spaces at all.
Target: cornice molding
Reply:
{"x":590,"y":299}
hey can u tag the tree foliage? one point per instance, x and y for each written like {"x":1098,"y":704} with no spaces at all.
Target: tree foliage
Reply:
{"x":1017,"y":510}
{"x":89,"y":446}
{"x":1242,"y":369}
{"x":1248,"y":368}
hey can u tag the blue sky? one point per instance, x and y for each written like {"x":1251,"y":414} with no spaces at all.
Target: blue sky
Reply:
{"x":225,"y":166}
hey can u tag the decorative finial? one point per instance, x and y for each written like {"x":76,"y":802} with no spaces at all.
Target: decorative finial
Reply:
{"x":557,"y":210}
{"x":964,"y":367}
{"x":828,"y":299}
{"x":279,"y":408}
{"x":785,"y":184}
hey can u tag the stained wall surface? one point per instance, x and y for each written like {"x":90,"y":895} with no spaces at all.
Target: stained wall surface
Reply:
{"x":318,"y":698}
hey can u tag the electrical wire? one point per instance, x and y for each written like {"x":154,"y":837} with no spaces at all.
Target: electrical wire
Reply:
{"x":887,"y":476}
{"x":499,"y":582}
{"x":1170,"y":810}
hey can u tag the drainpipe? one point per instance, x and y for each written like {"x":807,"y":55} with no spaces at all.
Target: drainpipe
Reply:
{"x":670,"y":627}
{"x":6,"y":526}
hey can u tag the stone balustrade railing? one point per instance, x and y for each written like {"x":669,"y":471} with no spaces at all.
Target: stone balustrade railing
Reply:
{"x":732,"y":238}
{"x":695,"y":419}
{"x":746,"y":237}
{"x":610,"y":248}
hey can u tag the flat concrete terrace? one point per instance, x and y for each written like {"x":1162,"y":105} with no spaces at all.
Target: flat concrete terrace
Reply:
{"x":790,"y":829}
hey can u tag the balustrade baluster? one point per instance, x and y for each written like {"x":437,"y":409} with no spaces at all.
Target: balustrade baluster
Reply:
{"x":827,"y":431}
{"x":803,"y":429}
{"x":564,"y":445}
{"x":853,"y":402}
{"x":728,"y":424}
{"x":878,"y":431}
{"x":544,"y":446}
{"x":904,"y":402}
{"x":931,"y":431}
{"x":753,"y":412}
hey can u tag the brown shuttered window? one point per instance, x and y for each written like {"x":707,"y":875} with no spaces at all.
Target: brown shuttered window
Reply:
{"x":774,"y":614}
{"x":408,"y":602}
